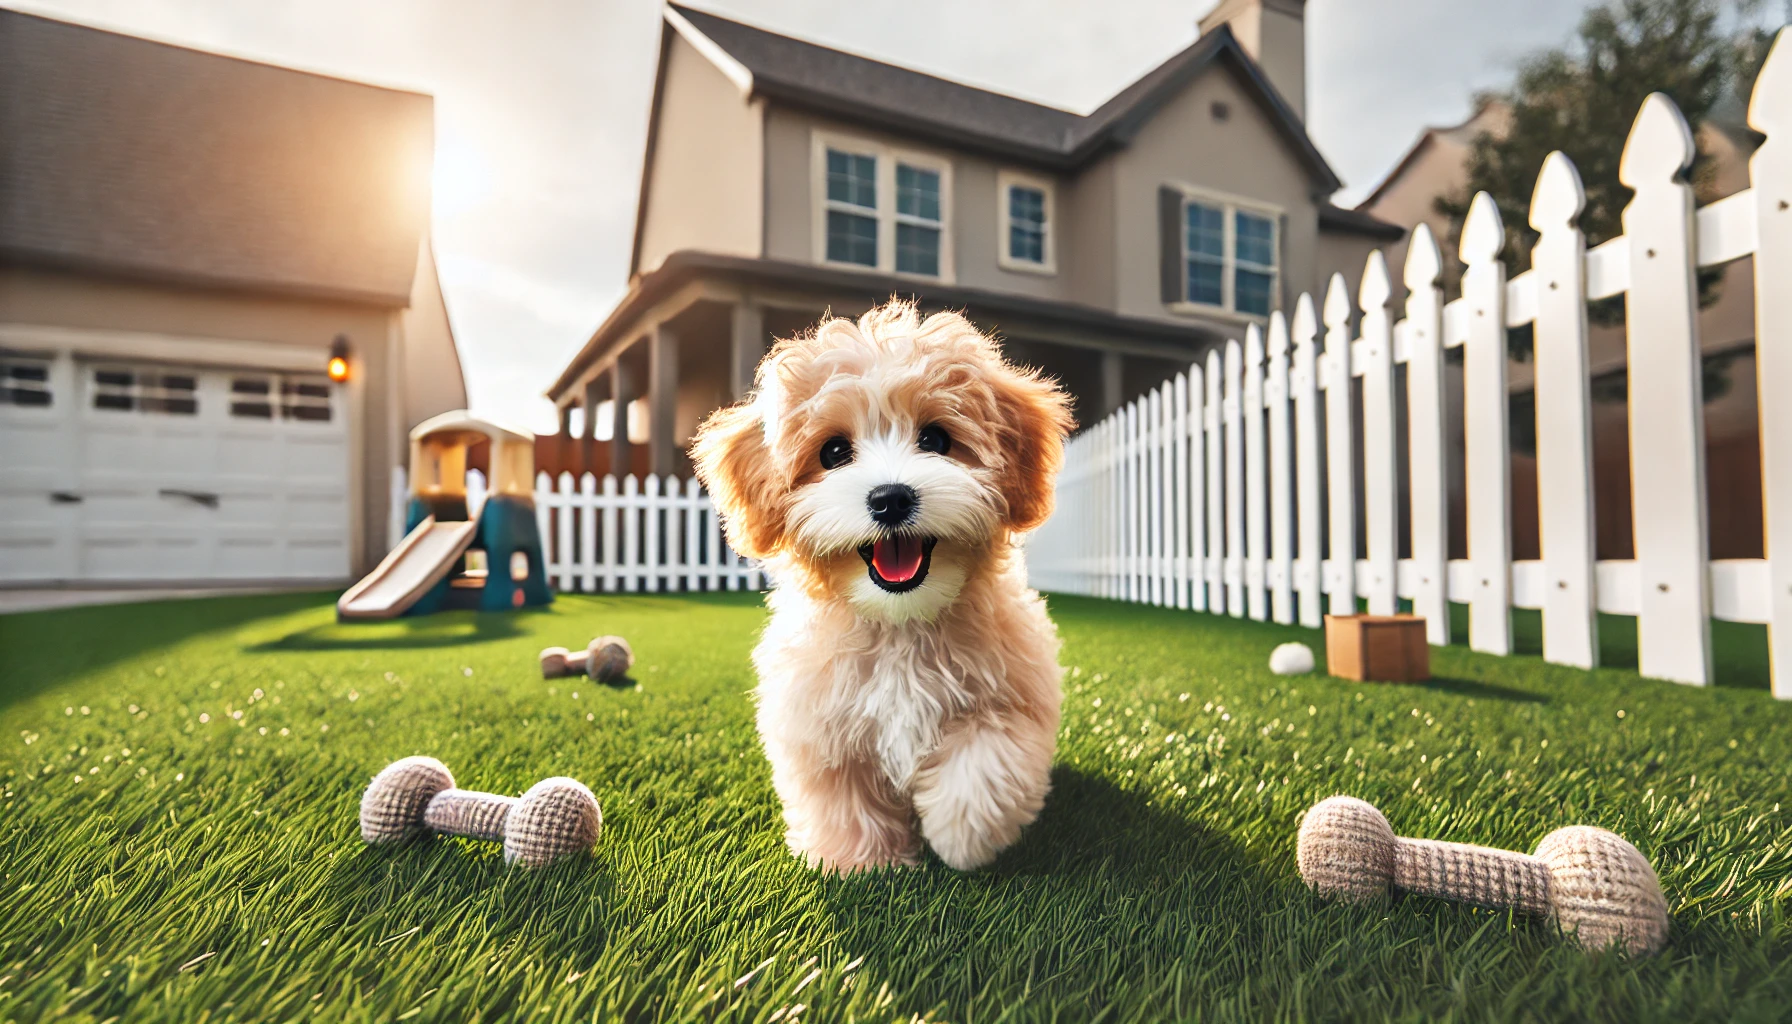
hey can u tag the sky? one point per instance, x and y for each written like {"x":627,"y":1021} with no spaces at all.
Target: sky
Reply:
{"x":541,"y":110}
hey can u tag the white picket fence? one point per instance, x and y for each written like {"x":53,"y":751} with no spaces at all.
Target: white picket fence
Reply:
{"x":640,"y":535}
{"x":1206,"y":493}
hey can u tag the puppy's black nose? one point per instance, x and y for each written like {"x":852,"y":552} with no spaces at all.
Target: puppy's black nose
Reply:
{"x":892,"y":504}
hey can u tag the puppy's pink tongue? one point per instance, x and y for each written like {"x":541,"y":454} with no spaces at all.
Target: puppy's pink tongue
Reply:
{"x":897,"y":558}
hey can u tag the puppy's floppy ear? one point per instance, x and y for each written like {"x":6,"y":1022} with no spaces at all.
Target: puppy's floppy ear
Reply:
{"x":736,"y":467}
{"x":1035,"y":420}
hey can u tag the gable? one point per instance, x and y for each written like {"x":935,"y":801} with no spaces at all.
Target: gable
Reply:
{"x":927,"y":107}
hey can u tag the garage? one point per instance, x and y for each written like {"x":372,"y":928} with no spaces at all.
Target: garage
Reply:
{"x":120,"y":471}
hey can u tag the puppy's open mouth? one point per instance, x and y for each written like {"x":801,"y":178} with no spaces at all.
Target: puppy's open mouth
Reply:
{"x":898,"y":563}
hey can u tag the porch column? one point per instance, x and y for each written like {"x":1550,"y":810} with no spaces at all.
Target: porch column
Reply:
{"x":622,"y":392}
{"x":566,"y":420}
{"x":746,"y":346}
{"x":662,"y":401}
{"x":591,"y":394}
{"x":1113,"y":384}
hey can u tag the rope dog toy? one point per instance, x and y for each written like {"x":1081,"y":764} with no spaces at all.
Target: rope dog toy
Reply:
{"x":606,"y":660}
{"x":1591,"y":882}
{"x":556,"y":818}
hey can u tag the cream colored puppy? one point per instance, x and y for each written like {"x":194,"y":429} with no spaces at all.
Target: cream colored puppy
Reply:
{"x":881,"y":472}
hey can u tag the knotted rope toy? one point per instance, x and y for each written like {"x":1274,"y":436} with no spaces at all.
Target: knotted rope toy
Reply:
{"x":1591,"y":882}
{"x":556,"y":818}
{"x":607,"y":660}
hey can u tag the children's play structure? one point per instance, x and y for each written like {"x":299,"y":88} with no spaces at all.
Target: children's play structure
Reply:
{"x":448,"y":559}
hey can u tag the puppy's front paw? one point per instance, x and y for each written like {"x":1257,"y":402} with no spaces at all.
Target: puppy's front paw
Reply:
{"x":963,"y":846}
{"x":850,"y":862}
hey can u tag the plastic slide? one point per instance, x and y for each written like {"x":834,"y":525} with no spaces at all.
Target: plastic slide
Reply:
{"x":418,"y":563}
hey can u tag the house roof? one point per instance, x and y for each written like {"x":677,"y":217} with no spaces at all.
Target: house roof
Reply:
{"x":992,"y":309}
{"x":873,"y":92}
{"x":130,"y":157}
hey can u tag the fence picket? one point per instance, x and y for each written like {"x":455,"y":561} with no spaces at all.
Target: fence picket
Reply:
{"x":1216,"y":520}
{"x":1179,"y":489}
{"x":1667,"y":435}
{"x":1255,"y":512}
{"x":1770,"y":113}
{"x":564,"y":512}
{"x":693,"y":509}
{"x":631,"y":533}
{"x":1564,"y":416}
{"x":587,"y":532}
{"x":1197,"y":488}
{"x":1231,"y":413}
{"x":1427,"y":467}
{"x":1340,"y":452}
{"x":1280,"y":573}
{"x":1380,"y":487}
{"x":1154,"y":493}
{"x":1487,"y":444}
{"x":1303,"y":378}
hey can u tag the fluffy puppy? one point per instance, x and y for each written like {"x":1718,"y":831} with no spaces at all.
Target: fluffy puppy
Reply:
{"x":907,"y":676}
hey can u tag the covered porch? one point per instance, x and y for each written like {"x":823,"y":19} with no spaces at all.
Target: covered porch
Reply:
{"x":687,"y":338}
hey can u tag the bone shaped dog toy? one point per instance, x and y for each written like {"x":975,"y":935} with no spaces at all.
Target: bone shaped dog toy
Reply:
{"x":607,"y":660}
{"x":556,"y":818}
{"x":1592,"y":882}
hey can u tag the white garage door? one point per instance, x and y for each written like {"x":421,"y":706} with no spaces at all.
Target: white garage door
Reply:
{"x":116,"y":471}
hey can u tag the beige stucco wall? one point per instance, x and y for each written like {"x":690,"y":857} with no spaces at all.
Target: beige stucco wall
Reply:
{"x":705,"y":185}
{"x":433,"y":379}
{"x":1241,"y":157}
{"x":50,"y":299}
{"x":1088,"y":215}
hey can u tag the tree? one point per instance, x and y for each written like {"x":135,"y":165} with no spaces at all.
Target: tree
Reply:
{"x":1581,"y":99}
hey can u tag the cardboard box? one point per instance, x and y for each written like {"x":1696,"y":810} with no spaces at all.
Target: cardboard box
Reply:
{"x":1377,"y":648}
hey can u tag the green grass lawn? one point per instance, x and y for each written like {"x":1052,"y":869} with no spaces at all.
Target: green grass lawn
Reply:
{"x":178,"y":835}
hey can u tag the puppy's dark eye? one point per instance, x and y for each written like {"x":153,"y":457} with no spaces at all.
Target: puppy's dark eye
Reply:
{"x":835,"y":451}
{"x":935,"y":439}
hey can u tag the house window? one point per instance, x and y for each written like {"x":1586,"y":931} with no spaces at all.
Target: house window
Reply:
{"x":150,"y":391}
{"x":917,"y":220}
{"x":852,"y":208}
{"x":1254,"y":269}
{"x":24,"y":382}
{"x":882,"y":208}
{"x":1025,"y":242}
{"x":1229,"y":256}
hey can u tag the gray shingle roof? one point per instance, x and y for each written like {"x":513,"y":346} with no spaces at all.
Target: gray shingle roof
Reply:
{"x":124,"y":156}
{"x":825,"y":79}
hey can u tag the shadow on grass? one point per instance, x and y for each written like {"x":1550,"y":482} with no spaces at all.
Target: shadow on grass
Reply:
{"x":41,"y":650}
{"x":1482,"y":691}
{"x":443,"y":629}
{"x":1103,"y":888}
{"x":452,"y":885}
{"x":1738,"y":649}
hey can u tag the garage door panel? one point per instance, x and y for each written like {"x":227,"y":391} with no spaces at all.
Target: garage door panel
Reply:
{"x":324,"y":558}
{"x":250,"y":558}
{"x":184,"y":474}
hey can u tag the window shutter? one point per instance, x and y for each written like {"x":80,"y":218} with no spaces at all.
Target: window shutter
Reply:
{"x":1169,"y":244}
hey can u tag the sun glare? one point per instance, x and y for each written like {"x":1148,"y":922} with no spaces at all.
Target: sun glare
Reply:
{"x":462,"y":178}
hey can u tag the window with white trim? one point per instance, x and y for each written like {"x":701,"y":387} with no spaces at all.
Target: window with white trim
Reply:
{"x":882,"y":208}
{"x":1025,"y":223}
{"x":1230,"y":256}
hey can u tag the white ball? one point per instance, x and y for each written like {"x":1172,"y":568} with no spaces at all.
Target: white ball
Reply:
{"x":1291,"y":659}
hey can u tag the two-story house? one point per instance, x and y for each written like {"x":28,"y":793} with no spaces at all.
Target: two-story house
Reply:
{"x":784,"y":180}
